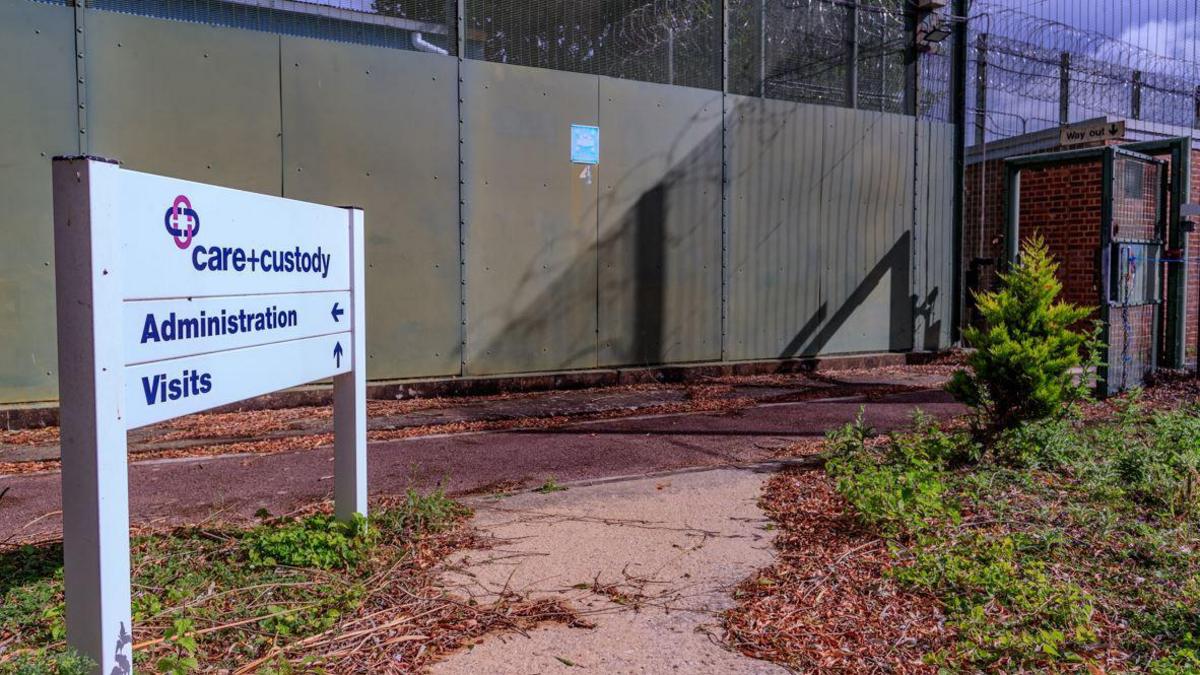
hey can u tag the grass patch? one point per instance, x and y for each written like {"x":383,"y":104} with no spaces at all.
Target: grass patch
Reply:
{"x":1063,"y":545}
{"x":290,"y":595}
{"x":551,"y":485}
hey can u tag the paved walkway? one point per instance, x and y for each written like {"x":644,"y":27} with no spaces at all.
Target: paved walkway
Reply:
{"x":219,"y":432}
{"x":651,"y":562}
{"x":233,"y":487}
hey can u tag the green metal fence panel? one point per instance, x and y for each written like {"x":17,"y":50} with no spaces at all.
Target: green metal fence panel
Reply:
{"x":775,"y":172}
{"x":530,"y":219}
{"x":37,"y":121}
{"x":867,"y":211}
{"x":933,"y":237}
{"x":185,"y":100}
{"x":660,"y":224}
{"x":837,"y":225}
{"x":369,"y":127}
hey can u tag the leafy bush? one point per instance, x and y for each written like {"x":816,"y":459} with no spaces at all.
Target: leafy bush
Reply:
{"x":31,"y":593}
{"x":319,"y":541}
{"x":927,"y":442}
{"x":1161,"y":466}
{"x":1001,"y":599}
{"x":1027,"y":352}
{"x":1044,"y":444}
{"x":901,"y":494}
{"x":418,"y":514}
{"x":44,"y":662}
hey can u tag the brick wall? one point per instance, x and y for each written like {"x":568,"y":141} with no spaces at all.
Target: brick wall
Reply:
{"x":1063,"y":204}
{"x":983,"y":229}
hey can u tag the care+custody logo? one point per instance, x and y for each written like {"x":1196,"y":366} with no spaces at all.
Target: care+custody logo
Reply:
{"x":182,"y":222}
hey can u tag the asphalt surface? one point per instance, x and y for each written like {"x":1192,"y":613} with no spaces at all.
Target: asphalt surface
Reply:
{"x":233,"y":488}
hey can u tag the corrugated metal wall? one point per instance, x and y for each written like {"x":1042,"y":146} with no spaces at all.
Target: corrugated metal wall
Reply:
{"x":659,"y":224}
{"x":362,"y":128}
{"x":37,"y":121}
{"x":834,"y":235}
{"x":530,"y":220}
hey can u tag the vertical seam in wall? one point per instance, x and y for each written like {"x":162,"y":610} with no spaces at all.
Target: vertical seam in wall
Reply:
{"x":80,"y":78}
{"x":916,"y":195}
{"x":724,"y":339}
{"x":598,"y":183}
{"x":460,"y":48}
{"x":282,"y":156}
{"x":724,"y":299}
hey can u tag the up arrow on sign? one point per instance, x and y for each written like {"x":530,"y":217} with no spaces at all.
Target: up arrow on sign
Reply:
{"x":337,"y":354}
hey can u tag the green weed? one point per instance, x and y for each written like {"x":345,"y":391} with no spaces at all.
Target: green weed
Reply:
{"x":319,"y":541}
{"x":280,"y":581}
{"x":47,"y":662}
{"x":549,"y":486}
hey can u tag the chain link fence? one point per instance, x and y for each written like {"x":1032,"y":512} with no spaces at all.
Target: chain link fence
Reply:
{"x":831,"y":52}
{"x":664,"y":41}
{"x":828,"y":52}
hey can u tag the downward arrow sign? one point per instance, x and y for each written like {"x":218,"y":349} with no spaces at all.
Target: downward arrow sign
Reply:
{"x":337,"y":354}
{"x":337,"y":313}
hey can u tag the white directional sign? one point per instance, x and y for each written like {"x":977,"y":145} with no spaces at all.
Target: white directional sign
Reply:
{"x":176,"y":297}
{"x":160,"y":390}
{"x":164,"y":329}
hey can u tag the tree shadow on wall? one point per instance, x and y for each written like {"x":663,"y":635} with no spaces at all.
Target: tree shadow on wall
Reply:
{"x":657,"y":253}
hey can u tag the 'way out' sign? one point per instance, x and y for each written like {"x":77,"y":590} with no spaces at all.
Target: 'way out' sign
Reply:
{"x":1091,"y":132}
{"x":176,"y":297}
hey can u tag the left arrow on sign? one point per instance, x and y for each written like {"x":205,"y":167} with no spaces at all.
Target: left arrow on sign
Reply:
{"x":337,"y":353}
{"x":337,"y":313}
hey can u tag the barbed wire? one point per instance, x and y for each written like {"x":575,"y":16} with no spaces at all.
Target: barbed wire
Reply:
{"x":1028,"y":55}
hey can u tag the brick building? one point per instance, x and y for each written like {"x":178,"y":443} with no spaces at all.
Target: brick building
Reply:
{"x":1153,"y":287}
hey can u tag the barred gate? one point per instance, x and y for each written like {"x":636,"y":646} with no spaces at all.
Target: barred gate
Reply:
{"x":1133,"y":226}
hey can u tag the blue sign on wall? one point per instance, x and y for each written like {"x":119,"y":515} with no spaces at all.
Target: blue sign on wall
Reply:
{"x":585,"y":144}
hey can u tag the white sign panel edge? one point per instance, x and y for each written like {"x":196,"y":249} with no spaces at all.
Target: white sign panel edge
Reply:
{"x":162,"y":390}
{"x":185,"y":239}
{"x":167,"y":329}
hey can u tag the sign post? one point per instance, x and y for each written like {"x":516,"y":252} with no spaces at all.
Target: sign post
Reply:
{"x":176,"y":297}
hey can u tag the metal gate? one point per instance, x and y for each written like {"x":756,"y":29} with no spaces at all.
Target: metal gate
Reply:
{"x":1133,"y":227}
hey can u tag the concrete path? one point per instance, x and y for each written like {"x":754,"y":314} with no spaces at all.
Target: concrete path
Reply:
{"x":232,"y":487}
{"x":651,"y":562}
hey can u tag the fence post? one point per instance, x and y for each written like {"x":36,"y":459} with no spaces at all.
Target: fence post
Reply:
{"x":762,"y":48}
{"x":1064,"y":88}
{"x":1196,"y":114}
{"x":1135,"y":103}
{"x":852,"y":55}
{"x":958,"y":84}
{"x":981,"y":89}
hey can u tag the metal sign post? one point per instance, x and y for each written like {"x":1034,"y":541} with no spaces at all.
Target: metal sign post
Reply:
{"x":176,"y":297}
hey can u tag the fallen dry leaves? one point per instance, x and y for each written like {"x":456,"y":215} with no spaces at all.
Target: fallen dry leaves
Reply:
{"x":826,"y":604}
{"x":407,"y":620}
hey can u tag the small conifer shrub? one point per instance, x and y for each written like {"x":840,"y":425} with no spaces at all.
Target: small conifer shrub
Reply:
{"x":1030,"y":360}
